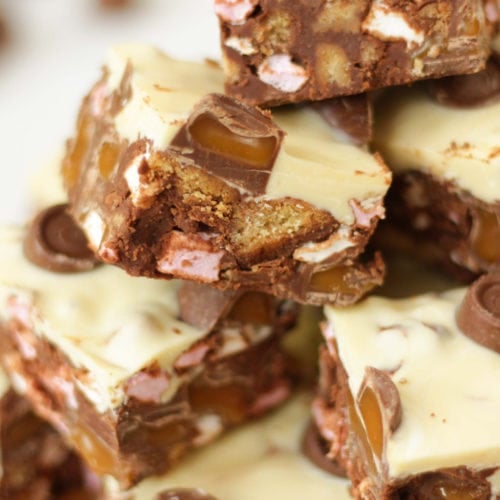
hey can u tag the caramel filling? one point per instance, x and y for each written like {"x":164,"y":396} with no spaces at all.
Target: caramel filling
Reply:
{"x":357,"y":429}
{"x":215,"y":137}
{"x":108,"y":157}
{"x":485,"y":236}
{"x":372,"y":419}
{"x":335,"y":280}
{"x":95,"y":451}
{"x":227,"y":400}
{"x":77,"y":153}
{"x":252,"y":307}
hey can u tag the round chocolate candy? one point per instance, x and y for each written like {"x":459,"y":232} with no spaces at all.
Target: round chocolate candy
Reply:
{"x":315,"y":448}
{"x":465,"y":91}
{"x":478,"y":316}
{"x":184,"y":494}
{"x":54,"y":242}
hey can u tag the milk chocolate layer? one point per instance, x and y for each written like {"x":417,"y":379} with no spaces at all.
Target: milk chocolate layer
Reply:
{"x":184,"y":494}
{"x":351,"y":114}
{"x":145,"y":436}
{"x":478,"y":316}
{"x":276,"y":53}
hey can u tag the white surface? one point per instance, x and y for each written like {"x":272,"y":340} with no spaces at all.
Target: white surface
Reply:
{"x":54,"y":54}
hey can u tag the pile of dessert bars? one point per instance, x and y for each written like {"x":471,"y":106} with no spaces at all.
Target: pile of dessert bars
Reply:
{"x":211,"y":207}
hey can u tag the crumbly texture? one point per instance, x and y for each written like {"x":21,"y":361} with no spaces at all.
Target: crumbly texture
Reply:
{"x":172,"y":200}
{"x":282,"y":52}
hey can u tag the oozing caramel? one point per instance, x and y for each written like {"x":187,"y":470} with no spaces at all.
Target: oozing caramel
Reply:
{"x":96,"y":452}
{"x":77,"y":152}
{"x":335,"y":280}
{"x":485,"y":236}
{"x":372,"y":419}
{"x":212,"y":135}
{"x":108,"y":156}
{"x":253,"y":307}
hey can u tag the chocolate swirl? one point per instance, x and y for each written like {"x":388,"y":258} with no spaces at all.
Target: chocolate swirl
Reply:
{"x":54,"y":242}
{"x":478,"y":316}
{"x":465,"y":91}
{"x":184,"y":494}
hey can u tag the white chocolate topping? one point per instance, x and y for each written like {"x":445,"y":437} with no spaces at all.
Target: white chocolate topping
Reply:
{"x":315,"y":166}
{"x":448,"y":384}
{"x":103,"y":320}
{"x":453,"y":144}
{"x":260,"y":460}
{"x":164,"y":92}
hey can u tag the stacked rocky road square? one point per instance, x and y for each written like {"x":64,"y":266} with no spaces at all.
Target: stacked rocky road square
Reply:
{"x":210,"y":209}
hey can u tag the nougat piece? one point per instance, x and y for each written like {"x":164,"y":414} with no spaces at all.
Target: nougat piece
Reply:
{"x":443,"y":145}
{"x":169,"y":178}
{"x":260,"y":460}
{"x":409,"y":397}
{"x":36,"y":463}
{"x":278,"y":52}
{"x":113,"y":364}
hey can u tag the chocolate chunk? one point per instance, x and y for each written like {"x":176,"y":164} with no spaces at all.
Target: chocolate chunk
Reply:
{"x":233,"y":141}
{"x":184,"y":494}
{"x":54,"y":242}
{"x":315,"y":448}
{"x":465,"y":91}
{"x":202,"y":306}
{"x":447,"y":483}
{"x":478,"y":316}
{"x":352,"y":115}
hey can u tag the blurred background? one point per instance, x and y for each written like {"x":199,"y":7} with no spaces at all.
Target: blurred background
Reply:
{"x":51,"y":52}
